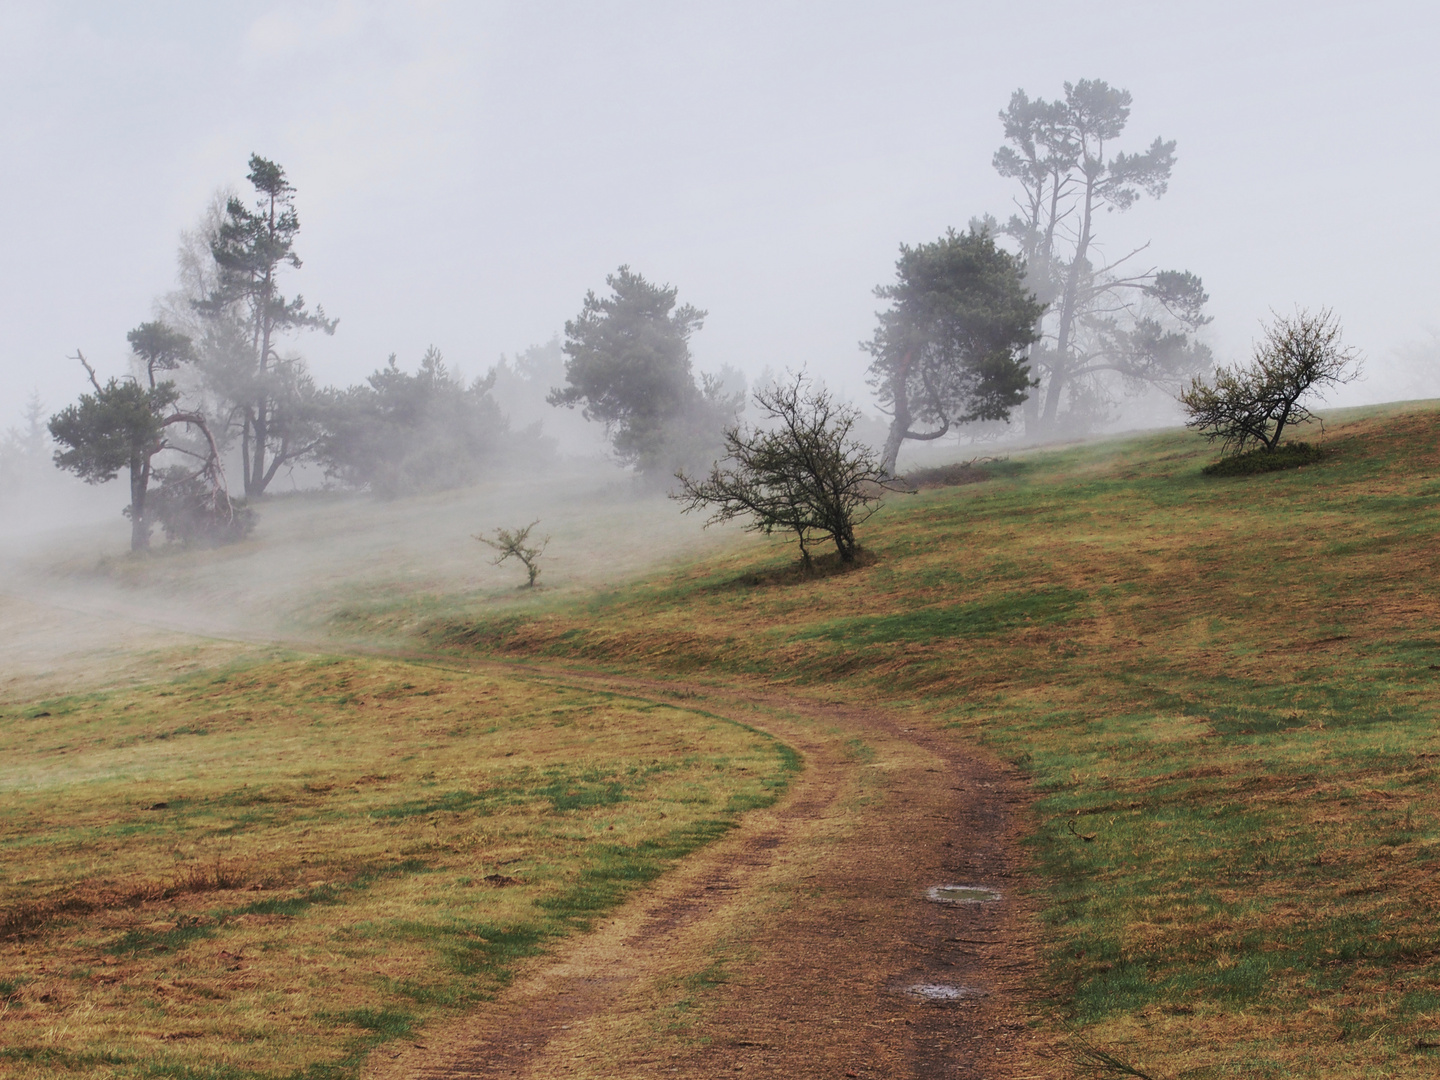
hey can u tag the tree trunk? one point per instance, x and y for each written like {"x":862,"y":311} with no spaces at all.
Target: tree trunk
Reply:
{"x":892,"y":446}
{"x":1053,"y":386}
{"x":256,"y":481}
{"x":139,"y":483}
{"x":900,"y":426}
{"x":1068,"y":302}
{"x":1030,"y":409}
{"x":245,"y":449}
{"x":1273,"y":443}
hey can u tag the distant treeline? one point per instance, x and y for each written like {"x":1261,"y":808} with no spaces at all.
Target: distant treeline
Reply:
{"x":1021,"y":319}
{"x":211,"y":393}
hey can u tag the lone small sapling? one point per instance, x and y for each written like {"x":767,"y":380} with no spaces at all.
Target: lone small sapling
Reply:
{"x":515,"y":544}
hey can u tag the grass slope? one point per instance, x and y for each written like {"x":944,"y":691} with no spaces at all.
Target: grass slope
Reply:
{"x":1225,"y":690}
{"x":265,"y":871}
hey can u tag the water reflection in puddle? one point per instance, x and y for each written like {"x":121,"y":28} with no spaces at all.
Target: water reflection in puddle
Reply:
{"x":940,"y":993}
{"x":962,"y":894}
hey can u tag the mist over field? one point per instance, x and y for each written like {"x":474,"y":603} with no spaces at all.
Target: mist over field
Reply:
{"x":465,"y":175}
{"x":658,"y":539}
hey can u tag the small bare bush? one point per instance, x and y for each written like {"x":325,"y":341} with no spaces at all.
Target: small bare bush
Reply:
{"x":1249,"y":406}
{"x":515,"y":544}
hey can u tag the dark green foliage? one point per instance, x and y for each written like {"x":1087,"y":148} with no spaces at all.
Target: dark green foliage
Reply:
{"x":125,"y":424}
{"x":1102,"y":321}
{"x":803,"y":474}
{"x":1288,"y":456}
{"x":117,"y":427}
{"x":950,"y":350}
{"x":628,"y":364}
{"x":399,"y":433}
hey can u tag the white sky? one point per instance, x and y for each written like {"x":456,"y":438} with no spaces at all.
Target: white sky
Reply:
{"x":465,"y":171}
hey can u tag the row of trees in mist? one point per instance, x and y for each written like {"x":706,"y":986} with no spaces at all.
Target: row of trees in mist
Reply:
{"x":1051,"y":327}
{"x":212,"y":387}
{"x":1025,"y":320}
{"x":974,"y":331}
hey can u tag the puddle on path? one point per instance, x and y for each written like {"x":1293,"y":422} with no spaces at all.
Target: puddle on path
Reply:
{"x":942,"y":994}
{"x":961,"y":894}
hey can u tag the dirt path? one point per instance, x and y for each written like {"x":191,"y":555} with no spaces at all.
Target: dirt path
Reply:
{"x":785,"y":949}
{"x":789,"y":948}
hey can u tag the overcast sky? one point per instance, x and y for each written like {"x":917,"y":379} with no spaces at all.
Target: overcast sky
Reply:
{"x":465,"y":171}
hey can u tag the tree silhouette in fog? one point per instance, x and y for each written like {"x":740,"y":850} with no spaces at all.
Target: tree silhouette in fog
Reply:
{"x":628,"y":365}
{"x":271,"y":397}
{"x":1106,"y":319}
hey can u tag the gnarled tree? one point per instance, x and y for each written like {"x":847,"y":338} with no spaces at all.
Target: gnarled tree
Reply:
{"x":802,"y":474}
{"x":949,"y":349}
{"x":125,"y":423}
{"x":1103,"y":316}
{"x":1249,"y":406}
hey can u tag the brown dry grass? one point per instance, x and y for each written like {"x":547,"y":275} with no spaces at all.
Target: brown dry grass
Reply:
{"x":272,"y":868}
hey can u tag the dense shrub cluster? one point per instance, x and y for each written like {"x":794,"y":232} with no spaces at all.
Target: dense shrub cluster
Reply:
{"x":398,"y":433}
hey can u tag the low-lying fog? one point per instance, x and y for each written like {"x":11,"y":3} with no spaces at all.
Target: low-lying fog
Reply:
{"x":464,"y":176}
{"x":78,"y":610}
{"x":315,"y":553}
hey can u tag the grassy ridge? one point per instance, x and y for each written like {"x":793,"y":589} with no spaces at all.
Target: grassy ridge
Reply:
{"x":1225,"y":690}
{"x":267,"y":870}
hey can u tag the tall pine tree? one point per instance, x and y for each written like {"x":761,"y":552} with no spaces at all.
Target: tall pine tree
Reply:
{"x":272,"y":398}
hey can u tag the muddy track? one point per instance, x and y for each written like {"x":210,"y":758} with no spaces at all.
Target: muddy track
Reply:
{"x":790,"y":948}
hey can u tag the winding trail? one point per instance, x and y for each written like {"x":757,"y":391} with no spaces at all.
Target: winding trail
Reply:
{"x":788,"y":948}
{"x":785,"y":949}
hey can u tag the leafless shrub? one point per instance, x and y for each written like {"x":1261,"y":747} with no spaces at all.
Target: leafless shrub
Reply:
{"x":805,"y":475}
{"x":1250,"y":405}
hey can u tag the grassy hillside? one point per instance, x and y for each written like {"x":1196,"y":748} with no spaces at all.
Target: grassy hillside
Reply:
{"x":1225,"y":690}
{"x":266,"y":870}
